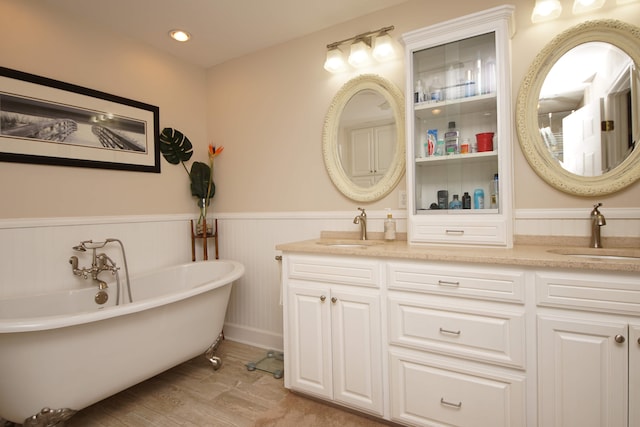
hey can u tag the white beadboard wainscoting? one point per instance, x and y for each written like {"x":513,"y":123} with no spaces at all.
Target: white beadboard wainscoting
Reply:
{"x":34,"y":253}
{"x":621,"y":222}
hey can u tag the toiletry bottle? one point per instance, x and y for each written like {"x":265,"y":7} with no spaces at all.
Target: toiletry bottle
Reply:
{"x":419,"y":95}
{"x":435,"y":90}
{"x":443,"y":199}
{"x":466,"y":201}
{"x":478,"y":199}
{"x":494,"y":192}
{"x":455,"y":203}
{"x":451,"y":139}
{"x":389,"y":227}
{"x":465,"y":147}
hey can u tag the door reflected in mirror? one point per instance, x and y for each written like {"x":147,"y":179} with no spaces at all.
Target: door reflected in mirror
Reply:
{"x":585,"y":108}
{"x":366,"y":138}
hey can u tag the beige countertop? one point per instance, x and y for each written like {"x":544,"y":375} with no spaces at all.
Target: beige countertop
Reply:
{"x":529,"y":255}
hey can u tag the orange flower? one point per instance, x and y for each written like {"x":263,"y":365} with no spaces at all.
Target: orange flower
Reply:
{"x":213,"y":151}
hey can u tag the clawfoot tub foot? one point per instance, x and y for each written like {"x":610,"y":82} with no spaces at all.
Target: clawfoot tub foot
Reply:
{"x":216,"y":362}
{"x":49,"y":418}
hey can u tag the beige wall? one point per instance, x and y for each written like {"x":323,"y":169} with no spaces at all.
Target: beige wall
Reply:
{"x":42,"y":41}
{"x":267,"y":109}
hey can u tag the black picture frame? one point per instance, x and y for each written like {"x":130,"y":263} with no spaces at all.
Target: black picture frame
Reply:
{"x":50,"y":122}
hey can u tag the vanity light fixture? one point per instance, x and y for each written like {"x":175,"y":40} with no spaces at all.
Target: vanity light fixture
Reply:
{"x":179,"y":35}
{"x":546,"y":10}
{"x":582,"y":6}
{"x":360,"y":50}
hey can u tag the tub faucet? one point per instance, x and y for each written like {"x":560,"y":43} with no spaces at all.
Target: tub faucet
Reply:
{"x":362,"y":220}
{"x":99,"y":263}
{"x":597,"y":221}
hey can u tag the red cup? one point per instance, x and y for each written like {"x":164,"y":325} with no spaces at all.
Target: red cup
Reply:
{"x":485,"y":141}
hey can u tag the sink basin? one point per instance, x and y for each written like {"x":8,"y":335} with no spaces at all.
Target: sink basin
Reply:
{"x":625,"y":254}
{"x":348,"y":243}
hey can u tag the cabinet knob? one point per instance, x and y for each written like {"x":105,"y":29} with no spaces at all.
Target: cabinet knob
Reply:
{"x":334,"y":299}
{"x":322,"y":298}
{"x":619,"y":339}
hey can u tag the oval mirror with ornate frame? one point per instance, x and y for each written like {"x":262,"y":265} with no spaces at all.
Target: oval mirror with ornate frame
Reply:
{"x":363,"y":138}
{"x":536,"y":137}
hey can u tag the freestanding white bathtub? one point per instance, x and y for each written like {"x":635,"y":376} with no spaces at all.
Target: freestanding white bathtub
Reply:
{"x":65,"y":352}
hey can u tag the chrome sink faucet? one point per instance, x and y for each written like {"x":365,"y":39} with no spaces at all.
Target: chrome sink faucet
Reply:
{"x":362,"y":220}
{"x":597,"y":221}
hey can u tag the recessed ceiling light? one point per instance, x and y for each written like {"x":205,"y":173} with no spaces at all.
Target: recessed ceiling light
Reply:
{"x":179,"y":35}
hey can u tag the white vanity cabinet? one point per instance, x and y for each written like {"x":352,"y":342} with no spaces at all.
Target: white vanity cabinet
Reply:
{"x":457,"y":356}
{"x":459,"y":72}
{"x":588,"y":349}
{"x":333,"y":330}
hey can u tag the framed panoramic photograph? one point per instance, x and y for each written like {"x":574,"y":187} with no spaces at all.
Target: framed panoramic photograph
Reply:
{"x":46,"y":121}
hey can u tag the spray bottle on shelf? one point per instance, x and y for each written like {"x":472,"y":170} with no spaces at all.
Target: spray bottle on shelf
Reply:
{"x":494,"y":192}
{"x":389,"y":227}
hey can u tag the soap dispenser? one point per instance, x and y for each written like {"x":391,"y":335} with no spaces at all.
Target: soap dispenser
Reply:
{"x":389,"y":227}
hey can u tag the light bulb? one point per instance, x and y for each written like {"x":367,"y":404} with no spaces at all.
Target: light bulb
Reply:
{"x":359,"y":55}
{"x":179,"y":35}
{"x":383,"y":48}
{"x":546,"y":10}
{"x":335,"y":61}
{"x":581,"y":6}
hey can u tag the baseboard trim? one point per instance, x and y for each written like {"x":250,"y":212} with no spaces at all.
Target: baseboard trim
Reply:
{"x":254,"y":337}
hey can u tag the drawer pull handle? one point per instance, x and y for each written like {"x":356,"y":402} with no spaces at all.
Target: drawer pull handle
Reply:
{"x":448,"y":283}
{"x":619,"y":339}
{"x":457,"y":232}
{"x":446,"y":331}
{"x":334,"y":299}
{"x":322,"y":298}
{"x":452,"y":405}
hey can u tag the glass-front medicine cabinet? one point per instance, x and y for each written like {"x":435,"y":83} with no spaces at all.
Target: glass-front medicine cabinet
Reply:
{"x":459,"y":130}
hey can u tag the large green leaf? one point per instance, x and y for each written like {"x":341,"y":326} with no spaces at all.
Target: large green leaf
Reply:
{"x":200,"y":174}
{"x":174,"y":146}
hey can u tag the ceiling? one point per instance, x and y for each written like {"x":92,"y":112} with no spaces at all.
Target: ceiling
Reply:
{"x":220,"y":29}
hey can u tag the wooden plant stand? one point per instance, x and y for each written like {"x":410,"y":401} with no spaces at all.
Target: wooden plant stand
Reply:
{"x":204,"y":236}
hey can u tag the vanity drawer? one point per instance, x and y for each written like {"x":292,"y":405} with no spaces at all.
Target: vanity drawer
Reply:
{"x":454,"y":232}
{"x":431,"y":391}
{"x":339,"y":270}
{"x":480,"y":331}
{"x":610,"y":292}
{"x":496,"y":284}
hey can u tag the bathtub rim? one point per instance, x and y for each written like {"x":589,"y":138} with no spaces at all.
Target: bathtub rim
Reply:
{"x":35,"y":324}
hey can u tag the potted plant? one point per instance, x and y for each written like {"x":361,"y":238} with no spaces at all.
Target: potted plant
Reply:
{"x":176,"y":148}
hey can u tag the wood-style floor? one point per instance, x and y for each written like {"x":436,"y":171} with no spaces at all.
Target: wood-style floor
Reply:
{"x":193,"y":394}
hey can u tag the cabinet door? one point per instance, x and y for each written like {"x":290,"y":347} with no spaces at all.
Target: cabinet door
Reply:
{"x":385,"y":147}
{"x":583,"y":373}
{"x":310,"y":339}
{"x":634,"y":374}
{"x":362,"y":152}
{"x":357,"y":349}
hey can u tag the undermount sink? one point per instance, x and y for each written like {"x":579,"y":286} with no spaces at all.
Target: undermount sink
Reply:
{"x":348,"y":243}
{"x":625,"y":254}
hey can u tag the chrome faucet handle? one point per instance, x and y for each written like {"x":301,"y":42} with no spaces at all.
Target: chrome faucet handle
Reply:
{"x":363,"y":213}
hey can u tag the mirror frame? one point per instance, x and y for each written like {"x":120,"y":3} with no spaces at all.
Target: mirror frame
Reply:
{"x":622,"y":35}
{"x":330,"y":151}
